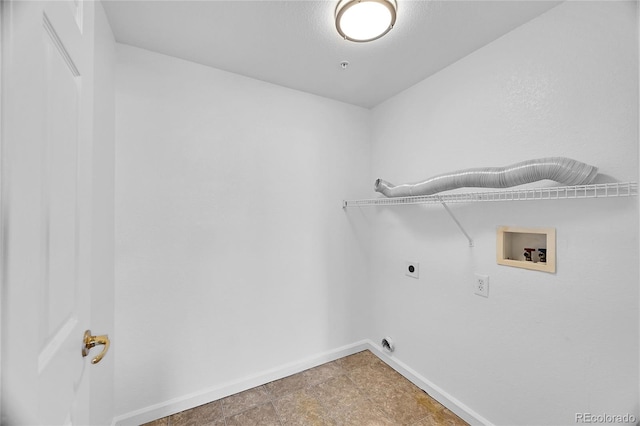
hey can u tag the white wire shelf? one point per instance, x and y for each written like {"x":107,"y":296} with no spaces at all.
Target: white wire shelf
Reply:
{"x":600,"y":190}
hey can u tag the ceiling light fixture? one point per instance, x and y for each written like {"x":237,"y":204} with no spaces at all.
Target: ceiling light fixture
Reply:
{"x":365,"y":20}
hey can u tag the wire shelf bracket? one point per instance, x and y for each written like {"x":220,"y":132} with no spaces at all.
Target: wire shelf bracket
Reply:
{"x":448,"y":210}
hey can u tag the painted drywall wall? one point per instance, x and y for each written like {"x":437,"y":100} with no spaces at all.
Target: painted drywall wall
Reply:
{"x":102,"y":250}
{"x":233,"y":254}
{"x":542,"y":347}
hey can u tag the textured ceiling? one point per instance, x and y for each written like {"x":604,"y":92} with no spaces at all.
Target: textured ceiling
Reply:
{"x":295,"y":44}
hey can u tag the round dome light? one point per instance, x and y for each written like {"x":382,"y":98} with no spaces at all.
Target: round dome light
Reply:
{"x":365,"y":20}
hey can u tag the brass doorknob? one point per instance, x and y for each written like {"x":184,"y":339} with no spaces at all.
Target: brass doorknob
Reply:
{"x":91,"y":341}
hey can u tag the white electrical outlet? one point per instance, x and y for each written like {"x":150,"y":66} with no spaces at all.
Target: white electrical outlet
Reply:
{"x":481,"y":285}
{"x":412,"y":269}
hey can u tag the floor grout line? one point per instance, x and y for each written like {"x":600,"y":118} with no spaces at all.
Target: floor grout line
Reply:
{"x":276,"y":411}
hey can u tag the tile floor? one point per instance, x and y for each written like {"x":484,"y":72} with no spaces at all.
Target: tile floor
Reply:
{"x":358,"y":390}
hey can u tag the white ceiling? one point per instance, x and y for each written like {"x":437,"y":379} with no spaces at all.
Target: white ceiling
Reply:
{"x":293,"y":43}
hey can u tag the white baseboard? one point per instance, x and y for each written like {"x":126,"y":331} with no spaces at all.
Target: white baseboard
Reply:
{"x":204,"y":396}
{"x":437,"y":393}
{"x":195,"y":399}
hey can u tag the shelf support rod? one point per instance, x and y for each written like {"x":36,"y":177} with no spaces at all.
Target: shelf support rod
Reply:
{"x":457,"y":222}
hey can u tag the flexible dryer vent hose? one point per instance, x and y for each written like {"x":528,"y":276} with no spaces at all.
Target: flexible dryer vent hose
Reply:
{"x":559,"y":169}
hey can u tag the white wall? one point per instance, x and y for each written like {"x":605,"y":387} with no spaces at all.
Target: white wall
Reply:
{"x":234,"y":258}
{"x":233,"y":254}
{"x":542,"y":347}
{"x":102,"y":290}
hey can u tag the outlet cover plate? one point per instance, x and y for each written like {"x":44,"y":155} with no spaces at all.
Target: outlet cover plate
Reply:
{"x":481,"y":285}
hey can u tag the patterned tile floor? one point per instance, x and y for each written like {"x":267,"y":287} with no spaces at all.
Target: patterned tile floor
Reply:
{"x":358,"y":390}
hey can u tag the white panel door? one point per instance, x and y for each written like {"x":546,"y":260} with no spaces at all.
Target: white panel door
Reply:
{"x":46,"y":210}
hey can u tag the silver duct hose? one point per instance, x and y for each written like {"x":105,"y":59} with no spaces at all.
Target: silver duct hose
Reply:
{"x":559,"y":169}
